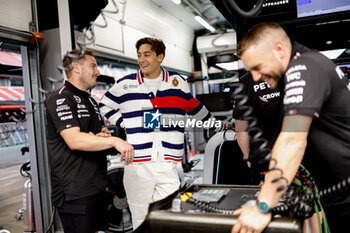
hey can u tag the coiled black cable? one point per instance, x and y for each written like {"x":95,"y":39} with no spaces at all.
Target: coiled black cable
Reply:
{"x":302,"y":203}
{"x":254,"y":131}
{"x":264,"y":155}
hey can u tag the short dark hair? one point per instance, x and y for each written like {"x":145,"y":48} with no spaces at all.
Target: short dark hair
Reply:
{"x":74,"y":56}
{"x":255,"y":34}
{"x":157,"y":45}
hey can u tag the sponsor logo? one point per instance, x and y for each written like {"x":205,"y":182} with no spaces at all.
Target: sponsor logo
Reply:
{"x":60,"y":101}
{"x":83,"y":115}
{"x":82,"y":110}
{"x":300,"y":83}
{"x":261,"y":86}
{"x":293,"y":99}
{"x":63,"y":113}
{"x":293,"y":76}
{"x":295,"y":91}
{"x":263,"y":99}
{"x":62,"y":108}
{"x":125,"y":86}
{"x":266,"y":97}
{"x":296,"y":68}
{"x":77,"y":98}
{"x":81,"y":106}
{"x":66,"y":117}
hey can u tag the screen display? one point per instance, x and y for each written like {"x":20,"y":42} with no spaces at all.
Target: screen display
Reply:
{"x":346,"y":70}
{"x":307,"y":8}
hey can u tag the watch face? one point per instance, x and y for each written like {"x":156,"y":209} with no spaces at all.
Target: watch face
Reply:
{"x":263,"y":207}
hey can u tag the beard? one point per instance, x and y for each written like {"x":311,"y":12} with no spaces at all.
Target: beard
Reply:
{"x":92,"y":84}
{"x":272,"y":81}
{"x":89,"y":84}
{"x":273,"y":78}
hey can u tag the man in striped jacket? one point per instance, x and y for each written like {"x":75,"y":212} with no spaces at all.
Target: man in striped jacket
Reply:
{"x":151,"y":105}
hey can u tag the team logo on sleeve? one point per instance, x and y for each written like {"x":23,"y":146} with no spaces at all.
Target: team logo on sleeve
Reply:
{"x":151,"y":119}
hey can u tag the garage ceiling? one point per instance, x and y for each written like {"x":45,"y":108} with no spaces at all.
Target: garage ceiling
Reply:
{"x":325,"y":32}
{"x":186,"y":11}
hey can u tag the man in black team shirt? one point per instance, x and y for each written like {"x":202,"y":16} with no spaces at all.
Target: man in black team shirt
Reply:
{"x":77,"y":140}
{"x":316,"y":123}
{"x":267,"y":110}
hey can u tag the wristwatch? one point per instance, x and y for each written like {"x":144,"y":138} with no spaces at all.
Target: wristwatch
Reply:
{"x":263,"y":207}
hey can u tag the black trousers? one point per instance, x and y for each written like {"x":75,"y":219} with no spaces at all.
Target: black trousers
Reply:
{"x":85,"y":215}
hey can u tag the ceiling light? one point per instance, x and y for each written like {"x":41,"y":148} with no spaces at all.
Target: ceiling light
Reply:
{"x":332,"y":54}
{"x":204,"y":23}
{"x":177,"y":2}
{"x":329,"y":42}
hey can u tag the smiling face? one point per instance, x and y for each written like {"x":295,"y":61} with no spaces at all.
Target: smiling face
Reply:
{"x":266,"y":62}
{"x":265,"y":51}
{"x":149,"y":61}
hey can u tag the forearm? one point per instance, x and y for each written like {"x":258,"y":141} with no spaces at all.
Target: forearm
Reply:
{"x":82,"y":141}
{"x":244,"y":143}
{"x":89,"y":142}
{"x":241,"y":128}
{"x":288,"y":153}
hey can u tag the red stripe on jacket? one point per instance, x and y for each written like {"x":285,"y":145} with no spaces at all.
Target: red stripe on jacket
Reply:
{"x":175,"y":102}
{"x":176,"y":160}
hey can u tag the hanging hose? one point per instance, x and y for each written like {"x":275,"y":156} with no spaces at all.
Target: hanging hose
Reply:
{"x":233,"y":7}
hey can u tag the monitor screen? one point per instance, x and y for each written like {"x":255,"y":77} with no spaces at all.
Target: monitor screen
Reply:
{"x":307,"y":8}
{"x":346,"y":70}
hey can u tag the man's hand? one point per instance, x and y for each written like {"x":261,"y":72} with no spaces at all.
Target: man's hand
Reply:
{"x":126,"y":150}
{"x":251,"y":220}
{"x":103,"y":134}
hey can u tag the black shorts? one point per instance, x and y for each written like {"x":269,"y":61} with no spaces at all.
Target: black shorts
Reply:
{"x":85,"y":215}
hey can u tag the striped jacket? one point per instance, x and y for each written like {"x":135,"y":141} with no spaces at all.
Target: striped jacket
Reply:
{"x":129,"y":99}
